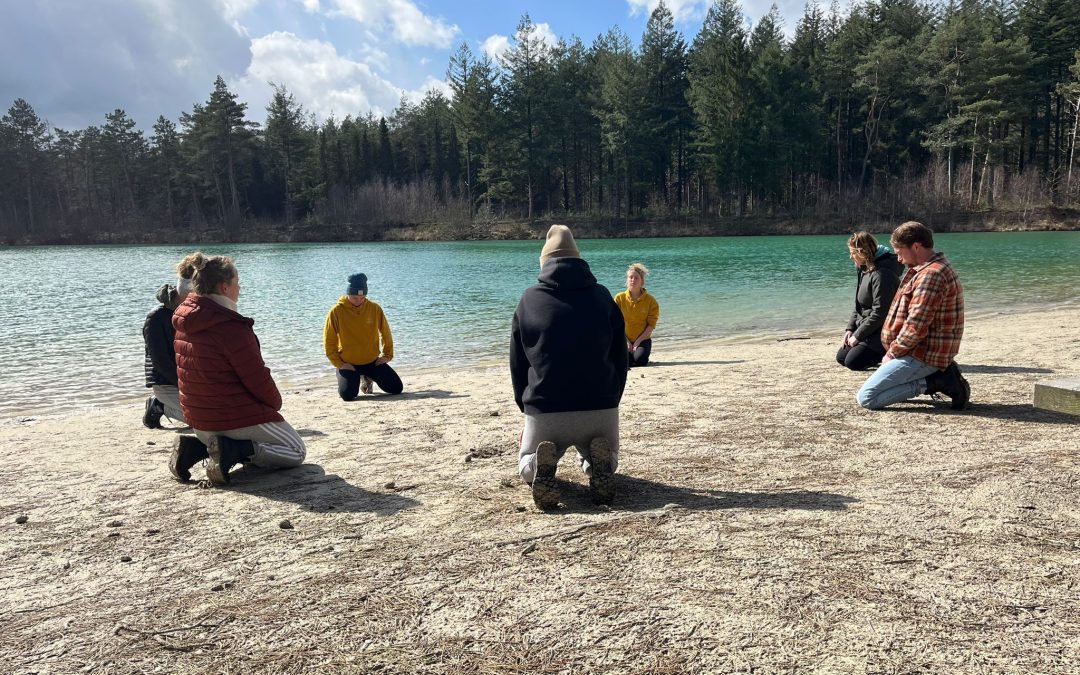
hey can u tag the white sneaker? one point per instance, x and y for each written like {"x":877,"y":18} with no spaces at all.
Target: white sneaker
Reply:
{"x":365,"y":385}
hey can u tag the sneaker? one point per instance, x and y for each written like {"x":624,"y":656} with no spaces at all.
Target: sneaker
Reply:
{"x":365,"y":385}
{"x":602,"y":478}
{"x":187,"y":451}
{"x":545,"y":492}
{"x":151,"y":418}
{"x":225,"y":453}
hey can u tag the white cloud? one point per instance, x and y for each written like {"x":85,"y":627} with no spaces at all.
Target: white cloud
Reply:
{"x":546,"y":35}
{"x":682,"y":10}
{"x":410,"y":25}
{"x":325,"y":82}
{"x":234,"y":9}
{"x":495,"y":46}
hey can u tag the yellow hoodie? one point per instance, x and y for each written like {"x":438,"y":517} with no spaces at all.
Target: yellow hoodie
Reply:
{"x":638,"y":314}
{"x":351,"y":334}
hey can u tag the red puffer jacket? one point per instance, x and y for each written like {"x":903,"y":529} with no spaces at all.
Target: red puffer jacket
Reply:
{"x":224,"y":383}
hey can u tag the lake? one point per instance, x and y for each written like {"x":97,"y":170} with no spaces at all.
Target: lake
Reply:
{"x":71,"y":317}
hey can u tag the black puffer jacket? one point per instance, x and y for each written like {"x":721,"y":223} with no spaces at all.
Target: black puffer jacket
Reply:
{"x":874,"y":293}
{"x":567,"y":349}
{"x":158,"y":334}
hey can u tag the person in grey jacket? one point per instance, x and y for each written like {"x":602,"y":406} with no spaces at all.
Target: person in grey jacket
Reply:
{"x":879,"y":273}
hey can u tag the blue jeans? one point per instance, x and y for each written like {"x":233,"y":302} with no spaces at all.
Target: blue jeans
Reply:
{"x":897,"y":380}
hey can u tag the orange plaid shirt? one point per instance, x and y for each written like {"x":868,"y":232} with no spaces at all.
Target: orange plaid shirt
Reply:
{"x":926,"y":320}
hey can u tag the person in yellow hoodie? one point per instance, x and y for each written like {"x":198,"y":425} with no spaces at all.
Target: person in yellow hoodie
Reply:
{"x":640,"y":312}
{"x":351,"y":337}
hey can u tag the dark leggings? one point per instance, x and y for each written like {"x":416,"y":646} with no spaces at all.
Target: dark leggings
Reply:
{"x":640,"y":356}
{"x":348,"y":381}
{"x":859,"y":357}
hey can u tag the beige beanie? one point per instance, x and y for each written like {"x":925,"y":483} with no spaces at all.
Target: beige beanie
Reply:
{"x":560,"y":244}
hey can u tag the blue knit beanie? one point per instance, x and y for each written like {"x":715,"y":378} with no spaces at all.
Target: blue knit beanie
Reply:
{"x":357,"y":284}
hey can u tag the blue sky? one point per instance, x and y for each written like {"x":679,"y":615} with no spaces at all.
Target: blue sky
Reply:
{"x":77,"y":60}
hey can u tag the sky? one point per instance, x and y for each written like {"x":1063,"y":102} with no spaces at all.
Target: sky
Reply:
{"x":75,"y":61}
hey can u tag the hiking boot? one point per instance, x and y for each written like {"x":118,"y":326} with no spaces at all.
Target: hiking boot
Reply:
{"x":950,"y":383}
{"x":545,"y":493}
{"x":151,"y":418}
{"x":602,"y":480}
{"x":225,"y":453}
{"x":365,"y":385}
{"x":957,"y":387}
{"x":187,"y":451}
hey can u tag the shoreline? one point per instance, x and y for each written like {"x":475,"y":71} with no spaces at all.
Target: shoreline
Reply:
{"x":324,"y":378}
{"x":1039,"y":219}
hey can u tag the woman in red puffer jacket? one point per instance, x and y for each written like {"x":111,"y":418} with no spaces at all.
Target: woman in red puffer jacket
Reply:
{"x":226,"y":391}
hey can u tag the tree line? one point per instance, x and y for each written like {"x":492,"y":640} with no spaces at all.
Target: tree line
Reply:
{"x":899,"y":107}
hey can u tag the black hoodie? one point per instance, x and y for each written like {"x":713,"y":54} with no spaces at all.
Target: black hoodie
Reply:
{"x":567,"y":349}
{"x":158,"y":335}
{"x":874,"y":293}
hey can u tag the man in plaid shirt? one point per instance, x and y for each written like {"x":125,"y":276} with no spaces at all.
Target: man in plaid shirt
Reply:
{"x":922,"y":332}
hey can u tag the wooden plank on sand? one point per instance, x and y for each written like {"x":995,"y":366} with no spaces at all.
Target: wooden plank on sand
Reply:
{"x":1059,"y":395}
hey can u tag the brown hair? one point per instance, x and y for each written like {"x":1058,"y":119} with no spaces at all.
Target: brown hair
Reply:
{"x":865,"y":245}
{"x":206,"y":272}
{"x":912,"y":232}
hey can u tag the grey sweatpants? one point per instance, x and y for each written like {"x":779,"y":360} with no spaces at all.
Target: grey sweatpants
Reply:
{"x":277,"y":445}
{"x":170,"y":398}
{"x":564,"y":429}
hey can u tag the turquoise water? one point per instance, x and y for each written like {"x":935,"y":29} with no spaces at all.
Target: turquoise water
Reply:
{"x":71,"y":317}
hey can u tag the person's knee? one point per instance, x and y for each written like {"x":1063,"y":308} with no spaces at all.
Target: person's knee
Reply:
{"x":866,"y":399}
{"x":394,"y":388}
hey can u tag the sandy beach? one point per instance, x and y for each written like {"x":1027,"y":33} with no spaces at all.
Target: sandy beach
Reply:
{"x":764,"y":522}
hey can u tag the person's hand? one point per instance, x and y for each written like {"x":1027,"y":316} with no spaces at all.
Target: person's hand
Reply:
{"x":885,"y":359}
{"x":629,"y":346}
{"x":381,"y":360}
{"x":843,"y":341}
{"x":347,"y":366}
{"x":852,"y":340}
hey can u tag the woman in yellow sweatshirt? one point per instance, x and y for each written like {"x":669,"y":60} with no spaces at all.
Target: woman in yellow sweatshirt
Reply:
{"x":640,"y":312}
{"x":351,"y":337}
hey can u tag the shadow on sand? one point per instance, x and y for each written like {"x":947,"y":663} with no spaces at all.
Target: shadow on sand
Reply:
{"x":309,"y":487}
{"x":641,"y":494}
{"x":1018,"y":412}
{"x":424,"y":393}
{"x":686,"y":363}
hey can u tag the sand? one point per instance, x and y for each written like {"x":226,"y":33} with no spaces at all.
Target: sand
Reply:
{"x":764,"y":522}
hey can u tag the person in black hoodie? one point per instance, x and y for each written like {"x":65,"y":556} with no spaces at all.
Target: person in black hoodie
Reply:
{"x":160,"y":361}
{"x":568,"y":365}
{"x":879,"y":273}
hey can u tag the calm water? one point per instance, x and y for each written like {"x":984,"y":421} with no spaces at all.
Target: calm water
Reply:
{"x":71,"y":317}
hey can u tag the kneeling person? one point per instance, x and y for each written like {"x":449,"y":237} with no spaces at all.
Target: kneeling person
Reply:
{"x":351,"y":338}
{"x":226,"y":391}
{"x":568,"y":366}
{"x":922,"y":331}
{"x":158,"y":336}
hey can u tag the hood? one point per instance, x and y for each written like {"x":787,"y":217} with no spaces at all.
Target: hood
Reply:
{"x":199,"y":313}
{"x":349,"y":307}
{"x":566,"y":274}
{"x":885,"y":259}
{"x":168,"y":296}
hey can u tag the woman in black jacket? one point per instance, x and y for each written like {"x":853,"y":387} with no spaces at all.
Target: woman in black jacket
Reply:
{"x":879,"y":273}
{"x":160,"y":362}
